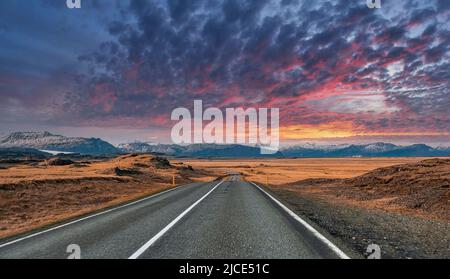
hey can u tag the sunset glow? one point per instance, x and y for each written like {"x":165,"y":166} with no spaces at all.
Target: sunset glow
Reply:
{"x":335,"y":69}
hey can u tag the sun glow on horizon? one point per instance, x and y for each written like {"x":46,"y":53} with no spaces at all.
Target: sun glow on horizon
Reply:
{"x":343,"y":130}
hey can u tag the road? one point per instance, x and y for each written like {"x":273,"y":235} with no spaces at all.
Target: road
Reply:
{"x":230,"y":219}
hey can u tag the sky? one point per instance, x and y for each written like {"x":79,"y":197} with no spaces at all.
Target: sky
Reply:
{"x":338,"y":71}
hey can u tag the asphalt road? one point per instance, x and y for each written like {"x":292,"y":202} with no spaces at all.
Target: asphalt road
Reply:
{"x":230,"y":219}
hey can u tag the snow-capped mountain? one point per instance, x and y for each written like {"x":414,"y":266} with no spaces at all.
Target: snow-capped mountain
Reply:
{"x":48,"y":141}
{"x":379,"y":149}
{"x":312,"y":150}
{"x":197,"y":150}
{"x":443,"y":148}
{"x":316,"y":146}
{"x":144,"y":147}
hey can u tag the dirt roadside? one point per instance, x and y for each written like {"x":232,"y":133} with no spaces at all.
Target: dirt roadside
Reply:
{"x":405,"y":209}
{"x":398,"y":235}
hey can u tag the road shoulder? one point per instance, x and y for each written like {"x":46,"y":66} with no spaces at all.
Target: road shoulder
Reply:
{"x":399,"y":236}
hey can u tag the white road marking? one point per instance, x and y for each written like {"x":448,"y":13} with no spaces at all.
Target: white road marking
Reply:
{"x":317,"y":234}
{"x":86,"y":218}
{"x":149,"y":243}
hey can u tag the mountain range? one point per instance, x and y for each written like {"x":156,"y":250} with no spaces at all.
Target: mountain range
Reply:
{"x":379,"y":149}
{"x":48,"y":142}
{"x":300,"y":151}
{"x":196,"y":150}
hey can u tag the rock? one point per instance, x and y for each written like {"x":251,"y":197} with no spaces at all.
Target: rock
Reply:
{"x":161,"y":163}
{"x":125,"y":172}
{"x":188,"y":168}
{"x":59,"y":162}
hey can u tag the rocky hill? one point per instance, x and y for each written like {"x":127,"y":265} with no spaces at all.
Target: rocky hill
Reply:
{"x":48,"y":141}
{"x":16,"y":153}
{"x":422,"y":187}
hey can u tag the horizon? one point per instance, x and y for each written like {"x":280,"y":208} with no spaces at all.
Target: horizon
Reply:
{"x":282,"y":144}
{"x":339,"y":72}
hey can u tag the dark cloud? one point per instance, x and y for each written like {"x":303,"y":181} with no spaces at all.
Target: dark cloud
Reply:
{"x":139,"y":59}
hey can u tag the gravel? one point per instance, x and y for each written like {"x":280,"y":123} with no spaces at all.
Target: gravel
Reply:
{"x":399,"y":236}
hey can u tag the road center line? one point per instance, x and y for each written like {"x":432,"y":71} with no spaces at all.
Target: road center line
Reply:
{"x":149,"y":243}
{"x":317,"y":234}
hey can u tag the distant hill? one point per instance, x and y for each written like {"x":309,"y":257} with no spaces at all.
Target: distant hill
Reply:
{"x":45,"y":141}
{"x":143,"y":147}
{"x":15,"y":153}
{"x":197,"y":150}
{"x":224,"y":151}
{"x":301,"y":151}
{"x":419,"y":186}
{"x":48,"y":141}
{"x":379,"y":149}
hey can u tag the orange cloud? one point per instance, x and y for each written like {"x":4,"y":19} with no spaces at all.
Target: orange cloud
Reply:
{"x":314,"y":131}
{"x":341,"y":130}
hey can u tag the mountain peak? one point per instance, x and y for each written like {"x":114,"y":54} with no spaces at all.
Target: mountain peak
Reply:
{"x":48,"y":141}
{"x":30,"y":134}
{"x":377,"y":149}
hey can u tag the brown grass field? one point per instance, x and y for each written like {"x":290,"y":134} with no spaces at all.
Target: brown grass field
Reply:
{"x":282,"y":171}
{"x":415,"y":186}
{"x":36,"y":195}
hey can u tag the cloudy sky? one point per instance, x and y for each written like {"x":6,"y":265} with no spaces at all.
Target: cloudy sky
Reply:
{"x":338,"y":71}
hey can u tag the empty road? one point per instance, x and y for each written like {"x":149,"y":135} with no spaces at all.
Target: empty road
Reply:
{"x":230,"y":219}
